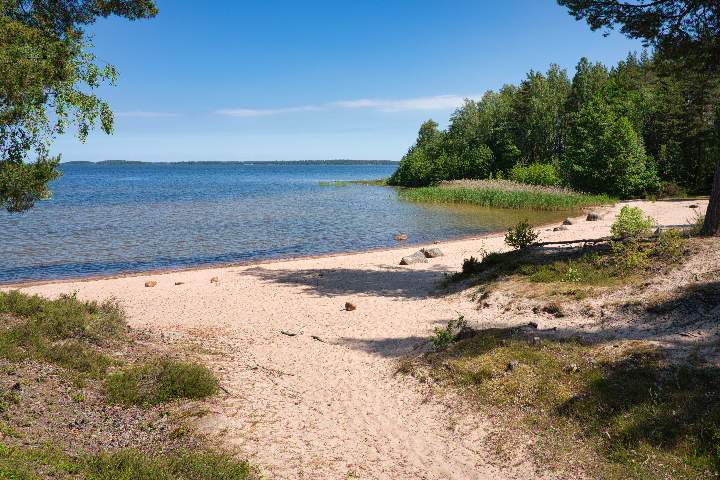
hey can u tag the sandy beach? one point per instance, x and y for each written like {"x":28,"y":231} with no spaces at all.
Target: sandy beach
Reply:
{"x":311,"y":390}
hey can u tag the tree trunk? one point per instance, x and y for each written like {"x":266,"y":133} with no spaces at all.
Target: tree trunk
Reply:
{"x":712,"y":216}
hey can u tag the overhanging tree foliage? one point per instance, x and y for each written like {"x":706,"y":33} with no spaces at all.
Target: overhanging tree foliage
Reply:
{"x":47,"y":78}
{"x":686,"y":32}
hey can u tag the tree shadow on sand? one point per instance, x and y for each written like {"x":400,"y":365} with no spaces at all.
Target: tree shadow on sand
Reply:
{"x":403,"y":282}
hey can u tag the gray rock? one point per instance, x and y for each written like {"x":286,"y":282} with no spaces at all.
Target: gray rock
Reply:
{"x":417,"y":257}
{"x":560,"y":228}
{"x":593,"y":217}
{"x":567,"y":221}
{"x":431,"y":252}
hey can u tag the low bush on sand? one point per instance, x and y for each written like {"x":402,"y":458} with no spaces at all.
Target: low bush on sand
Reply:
{"x":159,"y":381}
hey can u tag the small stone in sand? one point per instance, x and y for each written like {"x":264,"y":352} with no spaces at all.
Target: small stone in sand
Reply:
{"x":350,"y":306}
{"x":214,"y":280}
{"x":179,"y":283}
{"x":567,"y":221}
{"x":694,"y":205}
{"x":417,"y":257}
{"x":401,"y":237}
{"x":560,"y":228}
{"x":431,"y":252}
{"x":593,"y":217}
{"x":150,"y":283}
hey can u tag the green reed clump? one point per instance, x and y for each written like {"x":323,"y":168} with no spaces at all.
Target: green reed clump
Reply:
{"x":500,"y":197}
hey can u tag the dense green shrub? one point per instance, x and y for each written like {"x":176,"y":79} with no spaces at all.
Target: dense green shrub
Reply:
{"x":536,"y":174}
{"x":631,"y":222}
{"x":521,"y":235}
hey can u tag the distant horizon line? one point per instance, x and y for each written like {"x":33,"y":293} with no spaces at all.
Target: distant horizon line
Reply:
{"x":338,"y":161}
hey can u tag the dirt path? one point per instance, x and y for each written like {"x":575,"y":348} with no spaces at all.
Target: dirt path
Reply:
{"x":332,"y":408}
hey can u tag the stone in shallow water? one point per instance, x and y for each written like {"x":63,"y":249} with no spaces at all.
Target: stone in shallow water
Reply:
{"x":401,"y":237}
{"x":417,"y":257}
{"x":593,"y":217}
{"x":431,"y":252}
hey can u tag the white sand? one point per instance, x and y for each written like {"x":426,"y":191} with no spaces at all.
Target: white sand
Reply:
{"x":302,"y":408}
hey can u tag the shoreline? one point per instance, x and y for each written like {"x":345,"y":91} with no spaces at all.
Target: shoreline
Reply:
{"x":250,"y":263}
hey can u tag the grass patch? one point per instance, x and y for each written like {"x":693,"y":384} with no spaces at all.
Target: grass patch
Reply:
{"x":25,"y":463}
{"x":500,"y":195}
{"x":160,"y":381}
{"x":65,"y":331}
{"x":603,"y":265}
{"x":638,"y":416}
{"x":381,"y":182}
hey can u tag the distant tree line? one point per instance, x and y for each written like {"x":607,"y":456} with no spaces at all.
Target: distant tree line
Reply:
{"x":640,"y":127}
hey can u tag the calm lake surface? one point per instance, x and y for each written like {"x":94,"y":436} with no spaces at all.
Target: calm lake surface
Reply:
{"x":106,"y":219}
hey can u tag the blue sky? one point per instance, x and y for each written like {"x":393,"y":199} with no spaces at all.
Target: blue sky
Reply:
{"x":282,"y":80}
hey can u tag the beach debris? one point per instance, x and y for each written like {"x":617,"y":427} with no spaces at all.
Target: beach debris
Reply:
{"x":567,"y":221}
{"x":431,"y":252}
{"x":417,"y":257}
{"x":593,"y":217}
{"x":179,"y":283}
{"x":150,"y":283}
{"x":560,"y":228}
{"x":400,"y":237}
{"x":290,"y":333}
{"x":350,"y":306}
{"x":315,"y":337}
{"x":214,"y":280}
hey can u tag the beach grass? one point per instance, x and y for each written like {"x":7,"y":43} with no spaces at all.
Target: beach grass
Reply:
{"x":50,"y":461}
{"x":618,"y":409}
{"x":381,"y":182}
{"x":504,"y":194}
{"x":160,"y":381}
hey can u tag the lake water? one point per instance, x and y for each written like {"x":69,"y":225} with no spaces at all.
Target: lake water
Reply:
{"x":106,"y":219}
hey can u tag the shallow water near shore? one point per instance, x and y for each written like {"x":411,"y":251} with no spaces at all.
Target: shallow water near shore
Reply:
{"x":110,"y":219}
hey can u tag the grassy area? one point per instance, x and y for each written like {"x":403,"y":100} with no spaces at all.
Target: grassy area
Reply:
{"x":78,"y":337}
{"x":603,"y":265}
{"x":64,"y":331}
{"x":20,"y":463}
{"x":160,"y":381}
{"x":620,"y":410}
{"x":382,"y":182}
{"x":504,"y":194}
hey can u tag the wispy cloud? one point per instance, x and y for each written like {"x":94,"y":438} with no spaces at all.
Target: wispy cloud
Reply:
{"x":145,"y":114}
{"x":260,"y":112}
{"x":438,"y":102}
